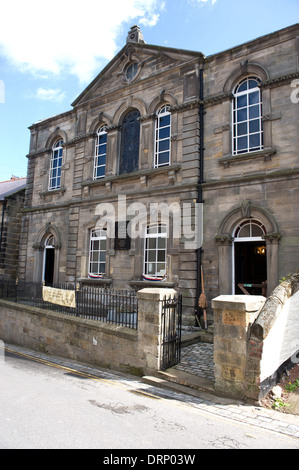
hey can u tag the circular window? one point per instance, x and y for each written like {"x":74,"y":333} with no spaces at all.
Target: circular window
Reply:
{"x":131,"y":71}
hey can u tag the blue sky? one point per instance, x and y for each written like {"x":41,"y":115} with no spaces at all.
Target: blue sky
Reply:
{"x":49,"y":54}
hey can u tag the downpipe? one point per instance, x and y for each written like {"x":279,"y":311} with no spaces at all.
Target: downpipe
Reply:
{"x":198,"y":312}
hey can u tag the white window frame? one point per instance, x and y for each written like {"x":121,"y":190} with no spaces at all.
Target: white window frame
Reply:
{"x":100,"y":147}
{"x":243,"y":128}
{"x":55,"y":165}
{"x":97,"y":256}
{"x":162,"y":113}
{"x":251,"y":223}
{"x":154,"y":233}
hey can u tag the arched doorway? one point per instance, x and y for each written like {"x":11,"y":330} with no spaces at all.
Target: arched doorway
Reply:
{"x":47,"y":249}
{"x":243,"y":233}
{"x":49,"y":261}
{"x":249,"y":265}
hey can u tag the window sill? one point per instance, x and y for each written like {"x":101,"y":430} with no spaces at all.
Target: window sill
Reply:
{"x":88,"y":280}
{"x":141,"y":284}
{"x":135,"y":174}
{"x":266,"y":154}
{"x":52,"y":192}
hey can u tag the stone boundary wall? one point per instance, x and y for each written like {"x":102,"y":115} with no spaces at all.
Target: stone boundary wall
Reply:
{"x":90,"y":341}
{"x":274,"y":335}
{"x":254,"y":339}
{"x":69,"y":336}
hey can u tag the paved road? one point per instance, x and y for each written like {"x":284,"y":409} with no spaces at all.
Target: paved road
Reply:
{"x":50,"y":403}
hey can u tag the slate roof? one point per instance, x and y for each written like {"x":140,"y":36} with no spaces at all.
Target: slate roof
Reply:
{"x":11,"y":186}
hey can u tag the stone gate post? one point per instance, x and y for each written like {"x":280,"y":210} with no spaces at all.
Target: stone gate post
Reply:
{"x":150,"y":325}
{"x":233,"y":315}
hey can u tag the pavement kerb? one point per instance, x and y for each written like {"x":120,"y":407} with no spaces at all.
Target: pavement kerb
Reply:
{"x":201,"y":398}
{"x":207,"y":400}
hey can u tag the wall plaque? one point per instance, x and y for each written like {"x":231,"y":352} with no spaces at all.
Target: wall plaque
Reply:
{"x":122,"y":240}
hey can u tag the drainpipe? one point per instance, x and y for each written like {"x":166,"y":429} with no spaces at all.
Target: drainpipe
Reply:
{"x":201,"y":180}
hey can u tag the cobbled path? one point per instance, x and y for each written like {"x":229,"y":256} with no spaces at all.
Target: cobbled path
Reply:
{"x":197,"y":359}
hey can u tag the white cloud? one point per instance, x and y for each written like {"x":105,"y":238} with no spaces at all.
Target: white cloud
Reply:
{"x":68,"y":36}
{"x":201,"y":2}
{"x":50,"y":94}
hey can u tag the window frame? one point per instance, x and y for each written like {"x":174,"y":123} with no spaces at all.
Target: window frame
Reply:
{"x":155,"y":235}
{"x":129,"y":155}
{"x":162,"y":112}
{"x":249,"y":122}
{"x":56,"y":165}
{"x":251,"y":223}
{"x":102,"y":237}
{"x":102,"y":131}
{"x":131,"y":71}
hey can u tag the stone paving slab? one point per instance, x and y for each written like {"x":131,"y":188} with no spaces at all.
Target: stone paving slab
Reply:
{"x":196,"y":372}
{"x":205,"y":399}
{"x":197,"y":360}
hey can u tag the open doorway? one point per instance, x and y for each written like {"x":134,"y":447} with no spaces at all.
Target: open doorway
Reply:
{"x":49,"y":261}
{"x":249,"y":259}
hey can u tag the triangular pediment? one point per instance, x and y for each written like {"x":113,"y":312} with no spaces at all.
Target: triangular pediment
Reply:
{"x":134,"y":63}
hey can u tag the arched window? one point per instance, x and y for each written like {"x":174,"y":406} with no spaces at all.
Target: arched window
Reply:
{"x":247,"y":117}
{"x":130,"y":137}
{"x":250,"y":229}
{"x":50,"y":241}
{"x":155,"y":251}
{"x":55,"y":165}
{"x":162,"y":137}
{"x":100,"y":153}
{"x":97,"y":253}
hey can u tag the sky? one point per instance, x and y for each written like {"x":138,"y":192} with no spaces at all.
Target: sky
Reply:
{"x":49,"y":54}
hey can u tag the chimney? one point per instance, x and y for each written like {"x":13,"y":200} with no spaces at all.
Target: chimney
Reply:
{"x":135,"y":35}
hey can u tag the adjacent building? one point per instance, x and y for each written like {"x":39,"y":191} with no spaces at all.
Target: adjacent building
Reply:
{"x":168,"y":164}
{"x":12,"y":195}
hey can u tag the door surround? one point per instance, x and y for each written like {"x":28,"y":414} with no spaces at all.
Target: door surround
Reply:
{"x":39,"y":246}
{"x":224,"y":240}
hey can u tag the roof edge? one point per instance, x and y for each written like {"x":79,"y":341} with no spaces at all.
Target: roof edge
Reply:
{"x":140,"y":46}
{"x":263,"y":37}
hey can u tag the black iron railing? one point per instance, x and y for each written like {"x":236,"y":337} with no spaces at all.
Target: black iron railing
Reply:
{"x":119,"y":307}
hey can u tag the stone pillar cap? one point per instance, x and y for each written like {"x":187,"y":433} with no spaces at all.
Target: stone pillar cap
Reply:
{"x":155,"y":293}
{"x":248,"y":303}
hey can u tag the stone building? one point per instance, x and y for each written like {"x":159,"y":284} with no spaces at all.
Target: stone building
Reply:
{"x":12,"y":195}
{"x":114,"y":185}
{"x":251,"y":164}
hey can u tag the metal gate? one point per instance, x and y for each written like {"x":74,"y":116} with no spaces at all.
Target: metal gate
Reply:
{"x":171,"y":331}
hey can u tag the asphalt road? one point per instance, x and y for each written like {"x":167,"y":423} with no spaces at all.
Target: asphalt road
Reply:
{"x":57,"y":404}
